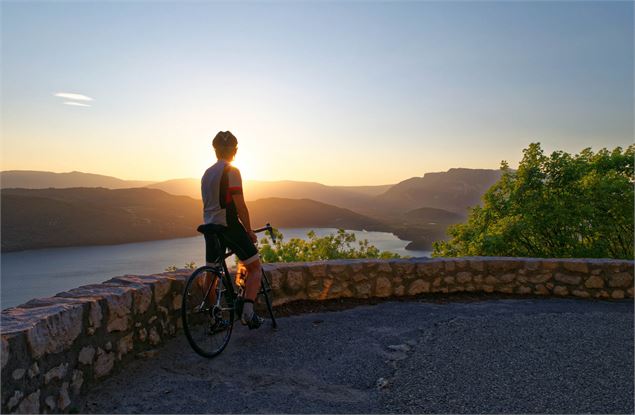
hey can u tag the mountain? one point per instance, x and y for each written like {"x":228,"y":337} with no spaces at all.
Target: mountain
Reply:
{"x":41,"y":218}
{"x":454,"y":190}
{"x":30,"y":179}
{"x":433,"y":215}
{"x":301,"y":213}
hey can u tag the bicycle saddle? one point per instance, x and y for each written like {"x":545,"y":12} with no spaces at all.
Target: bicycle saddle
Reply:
{"x":210,"y":228}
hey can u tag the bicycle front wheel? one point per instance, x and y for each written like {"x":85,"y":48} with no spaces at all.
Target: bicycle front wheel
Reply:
{"x":207,"y":312}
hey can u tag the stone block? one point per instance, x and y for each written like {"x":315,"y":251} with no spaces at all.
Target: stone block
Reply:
{"x":50,"y":329}
{"x":363,"y":290}
{"x":18,"y":373}
{"x":449,"y":280}
{"x":541,"y":290}
{"x":77,"y":381}
{"x":540,"y":278}
{"x":14,"y":400}
{"x":95,"y":315}
{"x":463,"y":277}
{"x":154,"y":337}
{"x":621,"y":280}
{"x":119,"y":308}
{"x":383,"y":287}
{"x":523,"y":290}
{"x":295,"y":281}
{"x":104,"y":363}
{"x":142,"y":298}
{"x":477,"y":265}
{"x":418,"y":287}
{"x":319,"y":270}
{"x":594,"y":282}
{"x":30,"y":404}
{"x":125,"y":345}
{"x":4,"y":354}
{"x":617,"y":294}
{"x":63,"y":401}
{"x":450,"y":265}
{"x":58,"y":372}
{"x":560,"y":290}
{"x":581,"y":293}
{"x":177,"y":302}
{"x":568,"y":279}
{"x":576,"y":266}
{"x":161,"y":287}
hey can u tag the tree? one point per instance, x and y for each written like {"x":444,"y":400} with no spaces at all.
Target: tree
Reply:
{"x":562,"y":205}
{"x":334,"y":246}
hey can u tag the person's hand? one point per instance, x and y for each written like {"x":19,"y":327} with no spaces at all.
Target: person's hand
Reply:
{"x":252,"y":236}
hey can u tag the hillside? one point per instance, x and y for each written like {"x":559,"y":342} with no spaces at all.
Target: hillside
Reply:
{"x":29,"y":179}
{"x":301,"y":213}
{"x":454,"y":190}
{"x":432,"y":215}
{"x":40,"y":218}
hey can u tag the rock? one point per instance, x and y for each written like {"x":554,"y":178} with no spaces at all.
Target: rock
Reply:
{"x":594,"y":282}
{"x":108,"y":346}
{"x":50,"y":403}
{"x":359,"y":277}
{"x":119,"y":311}
{"x":14,"y":400}
{"x":125,"y":345}
{"x":560,"y":290}
{"x":58,"y":372}
{"x":384,"y":267}
{"x":617,"y":294}
{"x":64,"y":400}
{"x":450,"y":266}
{"x":532,"y":264}
{"x":104,"y":363}
{"x":86,"y":355}
{"x":319,"y":270}
{"x":363,"y":290}
{"x":448,"y":280}
{"x":477,"y":265}
{"x":621,"y":280}
{"x":576,"y":266}
{"x":490,"y":279}
{"x":381,"y":383}
{"x":507,"y":277}
{"x":154,"y":337}
{"x":18,"y":374}
{"x":568,"y":279}
{"x":418,"y":287}
{"x":34,"y":370}
{"x":142,"y":297}
{"x":540,"y":278}
{"x":383,"y":287}
{"x":95,"y":315}
{"x":143,"y":334}
{"x":581,"y":294}
{"x":55,"y":329}
{"x":30,"y":404}
{"x":177,"y":302}
{"x":399,"y":347}
{"x":463,"y":277}
{"x":523,"y":290}
{"x":77,"y":381}
{"x":541,"y":290}
{"x":5,"y":352}
{"x":488,"y":288}
{"x":161,"y":288}
{"x":399,"y":290}
{"x":436,"y":282}
{"x":295,"y":280}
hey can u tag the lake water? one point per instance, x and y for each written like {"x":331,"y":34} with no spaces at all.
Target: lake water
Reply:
{"x":45,"y":272}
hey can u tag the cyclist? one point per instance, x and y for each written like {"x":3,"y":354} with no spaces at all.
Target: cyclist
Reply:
{"x":224,"y":204}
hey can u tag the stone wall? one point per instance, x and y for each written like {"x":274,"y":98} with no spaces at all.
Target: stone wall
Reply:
{"x":54,"y":348}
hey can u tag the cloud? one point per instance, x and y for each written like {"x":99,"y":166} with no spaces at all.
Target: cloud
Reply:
{"x":77,"y":104}
{"x":76,"y":97}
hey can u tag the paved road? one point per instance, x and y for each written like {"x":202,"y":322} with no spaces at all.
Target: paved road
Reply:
{"x":502,"y":356}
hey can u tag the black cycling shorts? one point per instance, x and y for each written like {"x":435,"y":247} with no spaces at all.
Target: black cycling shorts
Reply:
{"x":234,"y":237}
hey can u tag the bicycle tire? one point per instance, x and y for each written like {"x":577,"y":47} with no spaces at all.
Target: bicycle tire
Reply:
{"x":207,"y":326}
{"x":265,"y":291}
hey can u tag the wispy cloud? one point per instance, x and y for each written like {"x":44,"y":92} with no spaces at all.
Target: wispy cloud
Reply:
{"x":73,"y":96}
{"x":77,"y":104}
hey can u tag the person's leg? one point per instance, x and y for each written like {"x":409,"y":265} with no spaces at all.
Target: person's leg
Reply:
{"x":254,"y":277}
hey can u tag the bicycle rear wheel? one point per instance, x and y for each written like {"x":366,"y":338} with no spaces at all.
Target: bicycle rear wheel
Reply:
{"x":207,"y":312}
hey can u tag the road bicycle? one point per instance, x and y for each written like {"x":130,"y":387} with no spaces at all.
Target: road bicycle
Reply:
{"x":208,"y":308}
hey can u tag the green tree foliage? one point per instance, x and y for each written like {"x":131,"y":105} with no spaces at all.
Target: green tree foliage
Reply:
{"x":562,"y":206}
{"x":334,"y":246}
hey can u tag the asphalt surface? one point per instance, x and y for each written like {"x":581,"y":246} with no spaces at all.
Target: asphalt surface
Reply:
{"x":495,"y":356}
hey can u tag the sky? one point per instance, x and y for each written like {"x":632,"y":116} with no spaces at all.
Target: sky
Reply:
{"x":341,"y":93}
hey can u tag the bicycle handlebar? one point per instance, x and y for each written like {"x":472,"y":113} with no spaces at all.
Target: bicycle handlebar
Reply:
{"x":269,"y":229}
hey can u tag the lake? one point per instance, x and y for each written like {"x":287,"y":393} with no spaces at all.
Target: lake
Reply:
{"x":45,"y":272}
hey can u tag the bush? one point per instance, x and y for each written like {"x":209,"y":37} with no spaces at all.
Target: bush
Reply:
{"x":340,"y":245}
{"x":559,"y":206}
